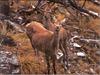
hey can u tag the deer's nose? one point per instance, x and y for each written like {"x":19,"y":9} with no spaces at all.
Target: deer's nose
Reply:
{"x":58,"y":27}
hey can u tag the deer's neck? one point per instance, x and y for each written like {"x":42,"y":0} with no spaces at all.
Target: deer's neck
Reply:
{"x":56,"y":39}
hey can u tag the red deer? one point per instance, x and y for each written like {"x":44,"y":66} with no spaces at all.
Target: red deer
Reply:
{"x":44,"y":40}
{"x":63,"y":33}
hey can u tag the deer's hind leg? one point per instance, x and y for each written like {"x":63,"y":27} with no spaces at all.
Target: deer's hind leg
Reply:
{"x":47,"y":62}
{"x":54,"y":64}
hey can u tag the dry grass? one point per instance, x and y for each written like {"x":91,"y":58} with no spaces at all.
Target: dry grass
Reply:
{"x":95,"y":25}
{"x":32,"y":64}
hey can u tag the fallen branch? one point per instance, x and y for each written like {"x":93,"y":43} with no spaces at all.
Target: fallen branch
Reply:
{"x":97,"y":2}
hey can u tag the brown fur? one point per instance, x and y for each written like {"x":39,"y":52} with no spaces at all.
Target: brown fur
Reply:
{"x":62,"y":31}
{"x":39,"y":36}
{"x":62,"y":45}
{"x":43,"y":40}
